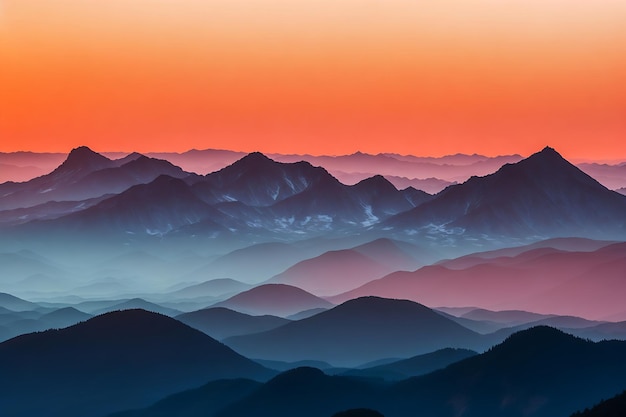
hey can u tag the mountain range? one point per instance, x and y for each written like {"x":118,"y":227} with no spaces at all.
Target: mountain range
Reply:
{"x":141,"y":285}
{"x":540,"y":372}
{"x":261,"y":197}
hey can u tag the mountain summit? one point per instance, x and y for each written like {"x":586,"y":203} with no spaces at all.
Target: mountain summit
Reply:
{"x":83,"y":158}
{"x":542,"y":195}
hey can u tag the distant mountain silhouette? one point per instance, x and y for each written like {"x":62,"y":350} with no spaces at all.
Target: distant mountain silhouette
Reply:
{"x":63,"y":317}
{"x":85,"y":174}
{"x":359,"y":331}
{"x":542,"y":195}
{"x":450,"y":168}
{"x":613,"y":407}
{"x":111,"y":362}
{"x":543,"y":280}
{"x":337,"y":271}
{"x":415,"y":366}
{"x":28,"y":321}
{"x":220,"y":322}
{"x":612,"y":177}
{"x":332,"y":272}
{"x":13,"y":303}
{"x":274,"y":299}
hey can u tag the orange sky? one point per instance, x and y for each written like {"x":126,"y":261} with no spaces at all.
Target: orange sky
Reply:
{"x":315,"y":76}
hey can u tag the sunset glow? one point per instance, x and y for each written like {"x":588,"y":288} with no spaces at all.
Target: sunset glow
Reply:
{"x":319,"y":77}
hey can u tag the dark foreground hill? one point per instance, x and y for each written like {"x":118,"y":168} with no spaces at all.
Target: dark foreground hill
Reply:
{"x":120,"y":360}
{"x":540,"y":372}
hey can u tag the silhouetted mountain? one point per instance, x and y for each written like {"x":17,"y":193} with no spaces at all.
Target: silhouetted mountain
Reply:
{"x":359,"y":331}
{"x":63,"y":317}
{"x":57,"y":185}
{"x":256,"y":180}
{"x":395,"y":254}
{"x":423,"y":186}
{"x":46,"y":211}
{"x":415,"y":366}
{"x":156,"y":208}
{"x":613,"y":407}
{"x":13,"y":303}
{"x":603,"y":331}
{"x":18,"y":323}
{"x":538,"y":372}
{"x":544,"y":280}
{"x":384,"y":198}
{"x":274,"y":299}
{"x":449,"y":168}
{"x":220,"y":322}
{"x":542,"y":195}
{"x":507,"y":255}
{"x":611,"y":176}
{"x":84,"y":176}
{"x":332,"y":272}
{"x":111,"y":362}
{"x":331,"y":205}
{"x":199,"y":402}
{"x":114,"y":180}
{"x":510,"y":317}
{"x":305,"y":392}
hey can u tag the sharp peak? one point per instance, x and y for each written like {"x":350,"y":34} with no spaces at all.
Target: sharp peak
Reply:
{"x":547,"y":152}
{"x":256,"y":156}
{"x":83,"y":153}
{"x":84,"y":150}
{"x":548,"y":157}
{"x":376,"y":180}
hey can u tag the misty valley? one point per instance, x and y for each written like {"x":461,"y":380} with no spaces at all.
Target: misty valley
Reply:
{"x":218,"y":283}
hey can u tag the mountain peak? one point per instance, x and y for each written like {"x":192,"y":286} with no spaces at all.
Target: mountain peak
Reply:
{"x":256,"y":157}
{"x":548,"y":157}
{"x":548,"y":152}
{"x":84,"y":157}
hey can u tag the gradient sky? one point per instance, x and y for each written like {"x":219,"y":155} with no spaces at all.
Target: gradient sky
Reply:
{"x":428,"y":77}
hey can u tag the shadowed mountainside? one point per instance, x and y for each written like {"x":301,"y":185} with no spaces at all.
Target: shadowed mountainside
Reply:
{"x":133,"y":356}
